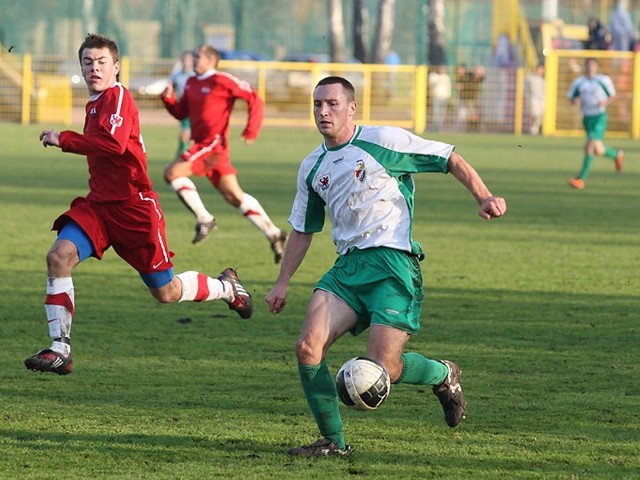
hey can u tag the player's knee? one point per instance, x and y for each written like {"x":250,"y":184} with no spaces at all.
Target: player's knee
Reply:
{"x":62,"y":256}
{"x":163,"y":295}
{"x":160,"y":296}
{"x":164,"y":286}
{"x":306,"y":353}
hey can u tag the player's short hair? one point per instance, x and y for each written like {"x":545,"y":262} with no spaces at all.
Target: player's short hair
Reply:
{"x":209,"y":51}
{"x":346,"y":85}
{"x":93,"y":40}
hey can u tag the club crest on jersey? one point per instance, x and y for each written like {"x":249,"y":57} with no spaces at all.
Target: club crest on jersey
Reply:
{"x":116,"y":120}
{"x":360,"y":172}
{"x":205,"y":90}
{"x":324,"y":182}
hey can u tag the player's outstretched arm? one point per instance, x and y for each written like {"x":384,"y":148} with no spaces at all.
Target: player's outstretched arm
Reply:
{"x":490,"y":206}
{"x":297,"y":246}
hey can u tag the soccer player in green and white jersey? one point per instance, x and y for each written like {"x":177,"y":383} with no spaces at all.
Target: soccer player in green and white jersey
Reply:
{"x":594,"y":92}
{"x":363,"y":176}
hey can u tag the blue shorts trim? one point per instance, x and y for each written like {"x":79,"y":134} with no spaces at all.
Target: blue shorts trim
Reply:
{"x":157,"y":279}
{"x":71,"y":231}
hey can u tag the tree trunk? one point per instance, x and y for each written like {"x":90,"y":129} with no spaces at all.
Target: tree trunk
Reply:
{"x":360,"y":31}
{"x":384,"y":30}
{"x":336,"y":31}
{"x":435,"y":27}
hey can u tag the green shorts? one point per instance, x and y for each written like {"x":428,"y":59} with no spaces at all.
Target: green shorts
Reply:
{"x":595,"y":126}
{"x":382,"y":285}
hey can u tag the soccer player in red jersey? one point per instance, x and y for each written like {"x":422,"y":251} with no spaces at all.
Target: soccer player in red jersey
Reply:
{"x":121,"y":211}
{"x":208,"y":100}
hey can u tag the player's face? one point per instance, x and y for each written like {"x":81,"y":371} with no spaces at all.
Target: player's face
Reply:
{"x":98,"y":69}
{"x":202,"y":62}
{"x":333,"y":114}
{"x":591,"y":68}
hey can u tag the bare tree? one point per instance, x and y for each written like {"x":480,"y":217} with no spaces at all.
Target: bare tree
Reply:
{"x":336,"y":31}
{"x":360,"y":31}
{"x":435,"y":27}
{"x":384,"y":30}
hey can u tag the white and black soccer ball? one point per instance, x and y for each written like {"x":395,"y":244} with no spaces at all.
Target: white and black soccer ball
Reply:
{"x":363,"y":383}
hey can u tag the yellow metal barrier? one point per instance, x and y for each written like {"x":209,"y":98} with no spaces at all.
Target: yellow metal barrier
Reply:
{"x":420,"y":99}
{"x":551,"y":94}
{"x":390,"y":95}
{"x":635,"y":109}
{"x":519,"y":104}
{"x":53,"y":103}
{"x":27,"y":89}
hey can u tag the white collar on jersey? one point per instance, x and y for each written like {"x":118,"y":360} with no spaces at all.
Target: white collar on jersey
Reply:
{"x":207,"y":74}
{"x":97,"y":95}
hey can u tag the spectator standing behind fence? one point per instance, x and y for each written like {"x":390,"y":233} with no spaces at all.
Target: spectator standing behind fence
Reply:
{"x":178,"y":79}
{"x":599,"y":37}
{"x":623,"y":33}
{"x":469,"y":84}
{"x":594,"y":91}
{"x":440,"y":95}
{"x":534,"y":93}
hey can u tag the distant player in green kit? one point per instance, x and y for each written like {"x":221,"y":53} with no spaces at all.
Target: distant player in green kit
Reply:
{"x":362,"y":177}
{"x":594,"y":92}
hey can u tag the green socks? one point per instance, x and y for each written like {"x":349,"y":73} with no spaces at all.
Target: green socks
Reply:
{"x":319,"y":388}
{"x":586,"y":166}
{"x":420,"y":370}
{"x":610,"y":152}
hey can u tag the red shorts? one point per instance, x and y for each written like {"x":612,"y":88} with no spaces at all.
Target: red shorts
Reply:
{"x":135,"y":228}
{"x":211,"y":160}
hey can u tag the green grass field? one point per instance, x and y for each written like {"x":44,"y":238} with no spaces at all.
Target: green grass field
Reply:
{"x":540,"y":308}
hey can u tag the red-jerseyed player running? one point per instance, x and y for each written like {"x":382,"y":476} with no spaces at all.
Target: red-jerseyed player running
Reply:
{"x":208,"y":100}
{"x":121,"y":211}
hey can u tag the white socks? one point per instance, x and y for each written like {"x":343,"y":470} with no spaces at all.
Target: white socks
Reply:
{"x":188,"y":193}
{"x":59,"y":307}
{"x":253,"y":211}
{"x":197,"y":287}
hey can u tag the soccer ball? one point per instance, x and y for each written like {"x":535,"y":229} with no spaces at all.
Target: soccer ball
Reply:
{"x":363,"y":383}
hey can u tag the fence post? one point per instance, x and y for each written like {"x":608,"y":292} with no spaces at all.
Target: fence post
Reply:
{"x":549,"y":123}
{"x":27,"y":88}
{"x":518,"y":113}
{"x":635,"y":106}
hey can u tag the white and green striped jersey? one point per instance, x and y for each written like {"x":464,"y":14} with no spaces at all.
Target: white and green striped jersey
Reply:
{"x":592,"y":92}
{"x":367,"y":187}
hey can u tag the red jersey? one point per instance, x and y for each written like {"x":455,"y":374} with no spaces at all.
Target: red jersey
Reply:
{"x":208,"y":102}
{"x":113,"y":145}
